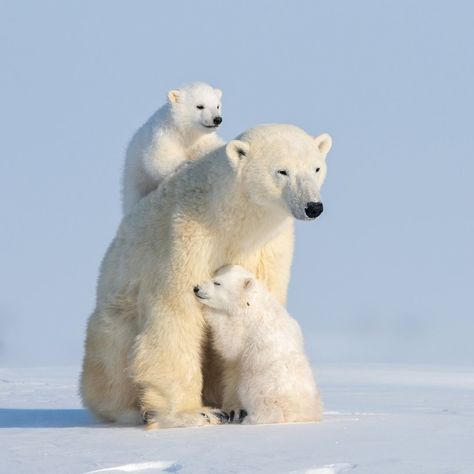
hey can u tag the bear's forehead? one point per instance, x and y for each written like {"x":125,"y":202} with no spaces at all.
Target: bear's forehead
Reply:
{"x":301,"y":149}
{"x":284,"y":138}
{"x":202,"y":93}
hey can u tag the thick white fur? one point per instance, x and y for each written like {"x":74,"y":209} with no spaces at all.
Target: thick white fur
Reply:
{"x":176,"y":132}
{"x":147,"y":346}
{"x":262,"y":345}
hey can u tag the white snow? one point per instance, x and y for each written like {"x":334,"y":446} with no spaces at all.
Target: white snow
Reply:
{"x":141,"y":466}
{"x":378,"y":419}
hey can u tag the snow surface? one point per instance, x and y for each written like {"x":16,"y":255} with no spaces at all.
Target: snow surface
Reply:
{"x":378,"y":419}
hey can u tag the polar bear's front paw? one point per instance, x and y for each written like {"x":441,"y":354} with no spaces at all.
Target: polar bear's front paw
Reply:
{"x":237,"y":416}
{"x":202,"y":417}
{"x":215,"y":416}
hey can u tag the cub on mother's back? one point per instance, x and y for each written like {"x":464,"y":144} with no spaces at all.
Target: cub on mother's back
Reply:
{"x":266,"y":371}
{"x":183,"y":129}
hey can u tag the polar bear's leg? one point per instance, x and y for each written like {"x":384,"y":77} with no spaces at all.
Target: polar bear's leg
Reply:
{"x":106,"y":388}
{"x":167,"y":365}
{"x":230,"y":399}
{"x":212,"y":370}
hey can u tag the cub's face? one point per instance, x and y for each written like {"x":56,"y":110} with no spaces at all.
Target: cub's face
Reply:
{"x":228,"y":291}
{"x":197,"y":107}
{"x":282,"y":168}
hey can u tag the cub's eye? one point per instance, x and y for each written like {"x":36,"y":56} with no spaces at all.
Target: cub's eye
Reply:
{"x":283,"y":172}
{"x":216,"y":283}
{"x":218,"y":107}
{"x":200,"y":107}
{"x":318,"y":170}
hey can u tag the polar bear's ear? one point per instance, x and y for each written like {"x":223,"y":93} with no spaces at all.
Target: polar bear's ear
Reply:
{"x":237,"y":151}
{"x":218,"y":93}
{"x":324,"y":143}
{"x":174,"y":96}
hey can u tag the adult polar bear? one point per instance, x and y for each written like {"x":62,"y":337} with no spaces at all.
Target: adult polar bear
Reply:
{"x":146,"y":338}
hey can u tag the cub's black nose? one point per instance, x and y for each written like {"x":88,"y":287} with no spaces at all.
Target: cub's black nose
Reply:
{"x":217,"y":120}
{"x":313,"y":209}
{"x":196,"y":289}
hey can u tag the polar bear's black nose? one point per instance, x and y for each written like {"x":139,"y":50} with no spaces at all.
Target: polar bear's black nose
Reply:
{"x":217,"y":120}
{"x":313,"y":209}
{"x":196,"y":289}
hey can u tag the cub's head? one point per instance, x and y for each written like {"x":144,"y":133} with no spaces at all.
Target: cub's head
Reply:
{"x":231,"y":289}
{"x":282,"y":168}
{"x":197,"y":107}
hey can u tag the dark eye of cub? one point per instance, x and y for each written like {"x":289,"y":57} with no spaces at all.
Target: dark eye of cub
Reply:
{"x":200,"y":107}
{"x":283,"y":172}
{"x":317,"y":170}
{"x":218,"y":107}
{"x":217,"y":283}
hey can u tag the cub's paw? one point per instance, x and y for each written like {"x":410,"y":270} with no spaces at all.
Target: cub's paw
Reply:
{"x":237,"y":415}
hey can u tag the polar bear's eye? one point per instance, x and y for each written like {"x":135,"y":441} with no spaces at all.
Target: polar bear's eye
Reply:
{"x":218,"y":107}
{"x":283,"y":172}
{"x":318,"y":170}
{"x":200,"y":107}
{"x":216,"y":283}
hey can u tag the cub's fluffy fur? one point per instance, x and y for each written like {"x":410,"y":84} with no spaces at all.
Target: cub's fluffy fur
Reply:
{"x":267,"y":373}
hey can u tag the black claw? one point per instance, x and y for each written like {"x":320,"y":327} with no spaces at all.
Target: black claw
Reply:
{"x":206,"y":417}
{"x":149,"y":417}
{"x":242,"y":415}
{"x":222,"y":415}
{"x":231,"y":416}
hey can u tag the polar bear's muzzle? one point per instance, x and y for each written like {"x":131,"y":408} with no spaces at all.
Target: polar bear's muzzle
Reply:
{"x":216,"y":121}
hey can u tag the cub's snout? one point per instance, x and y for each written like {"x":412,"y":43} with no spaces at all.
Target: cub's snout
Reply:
{"x":314,"y":209}
{"x":200,"y":292}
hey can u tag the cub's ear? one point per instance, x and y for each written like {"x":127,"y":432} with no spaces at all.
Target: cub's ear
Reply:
{"x":174,"y":96}
{"x":237,"y":152}
{"x":248,"y":283}
{"x":324,"y":143}
{"x":218,"y":93}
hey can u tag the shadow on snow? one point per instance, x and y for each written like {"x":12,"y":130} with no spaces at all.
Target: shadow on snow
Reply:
{"x":46,"y":418}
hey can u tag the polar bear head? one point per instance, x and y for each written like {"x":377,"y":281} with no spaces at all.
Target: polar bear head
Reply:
{"x":282,"y":168}
{"x":232,"y":288}
{"x":196,"y":107}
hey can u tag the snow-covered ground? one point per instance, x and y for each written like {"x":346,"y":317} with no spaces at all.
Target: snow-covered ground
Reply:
{"x":378,"y":419}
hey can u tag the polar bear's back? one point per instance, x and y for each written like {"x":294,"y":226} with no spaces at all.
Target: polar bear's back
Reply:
{"x":136,"y":182}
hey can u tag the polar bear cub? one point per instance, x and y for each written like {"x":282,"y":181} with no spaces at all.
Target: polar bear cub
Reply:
{"x":183,"y":129}
{"x":266,"y":371}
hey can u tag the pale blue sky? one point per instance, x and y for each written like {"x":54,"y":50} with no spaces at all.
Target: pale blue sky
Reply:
{"x":387,"y":272}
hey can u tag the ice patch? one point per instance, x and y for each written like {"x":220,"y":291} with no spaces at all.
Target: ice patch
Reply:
{"x":338,"y":468}
{"x":164,"y":466}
